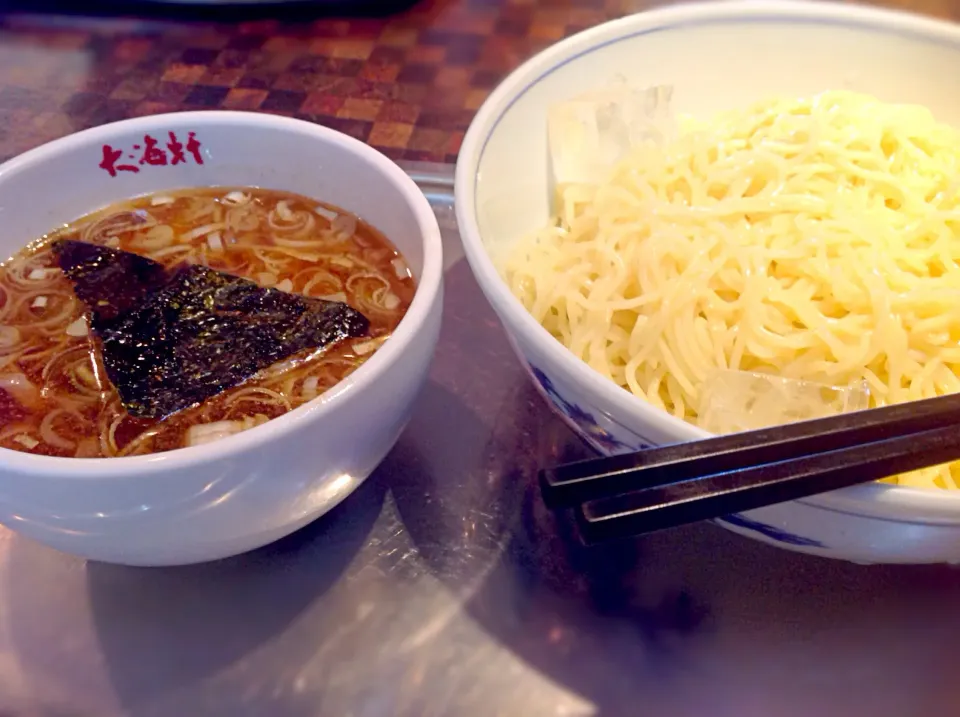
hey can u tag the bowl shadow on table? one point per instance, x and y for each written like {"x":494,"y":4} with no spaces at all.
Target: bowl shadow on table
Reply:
{"x":540,"y":577}
{"x":617,"y":623}
{"x":282,"y":594}
{"x":163,"y":631}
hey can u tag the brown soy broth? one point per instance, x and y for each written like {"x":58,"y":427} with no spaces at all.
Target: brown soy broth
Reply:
{"x":54,"y":395}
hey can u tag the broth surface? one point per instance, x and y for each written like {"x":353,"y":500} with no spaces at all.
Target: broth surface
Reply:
{"x":54,"y":396}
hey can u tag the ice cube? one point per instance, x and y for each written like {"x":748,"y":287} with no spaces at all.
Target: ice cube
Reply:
{"x":589,"y":134}
{"x":734,"y":401}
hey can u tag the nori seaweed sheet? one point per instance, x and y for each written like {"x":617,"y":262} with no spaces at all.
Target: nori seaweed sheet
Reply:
{"x":171,"y":339}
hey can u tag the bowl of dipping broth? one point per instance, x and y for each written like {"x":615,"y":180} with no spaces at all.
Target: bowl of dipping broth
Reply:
{"x":714,"y":217}
{"x":213,"y":328}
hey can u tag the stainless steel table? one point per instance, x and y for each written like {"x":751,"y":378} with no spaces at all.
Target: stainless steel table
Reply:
{"x":443,"y":587}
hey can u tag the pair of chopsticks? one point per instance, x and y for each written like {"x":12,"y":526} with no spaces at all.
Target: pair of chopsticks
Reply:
{"x":659,"y":488}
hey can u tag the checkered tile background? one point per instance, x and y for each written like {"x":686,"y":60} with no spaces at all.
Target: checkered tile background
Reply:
{"x":408,"y":84}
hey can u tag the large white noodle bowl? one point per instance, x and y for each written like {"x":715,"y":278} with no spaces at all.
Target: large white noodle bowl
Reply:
{"x":716,"y":56}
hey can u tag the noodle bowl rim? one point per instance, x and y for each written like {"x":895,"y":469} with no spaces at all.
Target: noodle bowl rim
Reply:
{"x":874,"y":499}
{"x":429,"y":286}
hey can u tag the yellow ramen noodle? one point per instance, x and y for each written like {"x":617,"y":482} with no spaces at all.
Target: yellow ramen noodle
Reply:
{"x":812,"y":238}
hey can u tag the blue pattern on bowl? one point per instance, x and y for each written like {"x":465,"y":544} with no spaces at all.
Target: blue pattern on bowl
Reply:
{"x":583,"y":419}
{"x":769,"y":531}
{"x":605,"y":441}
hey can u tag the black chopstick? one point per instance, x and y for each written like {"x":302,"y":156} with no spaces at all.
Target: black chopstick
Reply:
{"x":754,"y":486}
{"x":594,"y":479}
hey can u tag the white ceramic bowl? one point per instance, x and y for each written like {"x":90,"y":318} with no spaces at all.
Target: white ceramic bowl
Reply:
{"x":244,"y":491}
{"x":716,"y":56}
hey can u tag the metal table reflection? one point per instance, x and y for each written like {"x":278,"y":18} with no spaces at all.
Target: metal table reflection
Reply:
{"x":444,"y":587}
